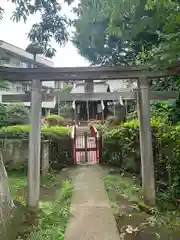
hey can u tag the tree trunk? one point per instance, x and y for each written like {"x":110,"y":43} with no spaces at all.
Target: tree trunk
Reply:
{"x":6,"y":201}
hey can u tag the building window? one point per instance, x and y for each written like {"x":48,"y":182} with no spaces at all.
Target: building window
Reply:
{"x":18,"y":89}
{"x":24,"y":87}
{"x":23,"y":64}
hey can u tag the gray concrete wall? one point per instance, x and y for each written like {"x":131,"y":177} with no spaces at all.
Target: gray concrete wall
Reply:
{"x":15,"y":152}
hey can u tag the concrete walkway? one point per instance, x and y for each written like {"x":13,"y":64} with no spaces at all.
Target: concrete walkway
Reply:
{"x":91,"y":215}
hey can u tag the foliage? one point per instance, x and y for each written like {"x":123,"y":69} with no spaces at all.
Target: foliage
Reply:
{"x":34,"y":49}
{"x":91,"y":37}
{"x":13,"y":114}
{"x":54,"y":206}
{"x":127,"y":32}
{"x":123,"y":185}
{"x":18,"y":185}
{"x":3,"y":115}
{"x":158,"y":18}
{"x":126,"y":200}
{"x":169,"y":47}
{"x":105,"y":31}
{"x":23,"y":131}
{"x":102,"y":128}
{"x":162,"y":111}
{"x":55,"y":131}
{"x":52,"y":25}
{"x":122,"y":148}
{"x":17,"y":114}
{"x":54,"y":215}
{"x":53,"y":119}
{"x":174,"y":114}
{"x":165,"y":111}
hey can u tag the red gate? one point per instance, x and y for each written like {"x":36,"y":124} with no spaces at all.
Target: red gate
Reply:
{"x":86,"y":145}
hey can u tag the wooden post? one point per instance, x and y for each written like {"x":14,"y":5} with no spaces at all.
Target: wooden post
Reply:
{"x":147,"y":164}
{"x":126,"y":106}
{"x":45,"y":157}
{"x":114,"y":108}
{"x":87,"y":109}
{"x":34,"y":146}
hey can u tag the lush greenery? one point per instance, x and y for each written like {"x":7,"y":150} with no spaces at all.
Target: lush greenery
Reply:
{"x":126,"y":32}
{"x":13,"y":114}
{"x":50,"y":132}
{"x":134,"y":219}
{"x":164,"y":111}
{"x":53,"y":119}
{"x":122,"y":148}
{"x":50,"y":221}
{"x":54,"y":215}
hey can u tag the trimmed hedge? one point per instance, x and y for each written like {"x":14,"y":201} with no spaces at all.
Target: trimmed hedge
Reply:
{"x":22,"y":131}
{"x":53,"y":119}
{"x":121,"y":147}
{"x":60,"y":144}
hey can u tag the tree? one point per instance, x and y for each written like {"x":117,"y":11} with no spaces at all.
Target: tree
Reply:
{"x":161,"y":17}
{"x":167,"y":51}
{"x":105,"y":42}
{"x":17,"y":114}
{"x":53,"y":24}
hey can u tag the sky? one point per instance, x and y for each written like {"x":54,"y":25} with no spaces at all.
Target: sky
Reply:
{"x":16,"y":34}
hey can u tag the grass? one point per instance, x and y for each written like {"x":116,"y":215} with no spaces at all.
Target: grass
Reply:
{"x":51,"y":219}
{"x":53,"y":216}
{"x":134,"y":219}
{"x":18,"y":185}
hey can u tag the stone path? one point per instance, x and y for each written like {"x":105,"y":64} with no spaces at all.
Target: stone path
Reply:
{"x":91,"y":215}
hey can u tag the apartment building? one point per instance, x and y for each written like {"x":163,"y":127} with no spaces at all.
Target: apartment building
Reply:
{"x":13,"y":56}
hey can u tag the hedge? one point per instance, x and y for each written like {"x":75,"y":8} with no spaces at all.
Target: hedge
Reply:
{"x":21,"y":131}
{"x":60,"y":147}
{"x":53,"y":119}
{"x":121,"y":147}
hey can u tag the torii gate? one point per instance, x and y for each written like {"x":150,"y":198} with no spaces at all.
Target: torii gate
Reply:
{"x":141,"y":94}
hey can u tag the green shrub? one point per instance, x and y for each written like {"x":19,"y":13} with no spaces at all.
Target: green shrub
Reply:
{"x":122,"y":148}
{"x":53,"y":119}
{"x":3,"y":115}
{"x":13,"y":114}
{"x":17,"y":114}
{"x":102,"y":128}
{"x":55,"y":131}
{"x":23,"y":130}
{"x":16,"y":129}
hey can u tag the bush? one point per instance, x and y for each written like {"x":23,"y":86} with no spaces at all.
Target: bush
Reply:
{"x":13,"y":114}
{"x":122,"y":148}
{"x":17,"y":114}
{"x":53,"y":119}
{"x":3,"y":115}
{"x":23,"y":130}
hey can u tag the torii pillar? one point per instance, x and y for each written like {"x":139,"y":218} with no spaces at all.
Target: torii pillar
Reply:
{"x":34,"y":146}
{"x":147,"y":163}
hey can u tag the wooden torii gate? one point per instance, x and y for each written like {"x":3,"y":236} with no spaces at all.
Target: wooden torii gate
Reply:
{"x":141,"y":94}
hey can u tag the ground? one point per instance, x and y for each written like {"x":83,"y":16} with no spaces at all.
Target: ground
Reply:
{"x":134,"y":219}
{"x":91,"y":215}
{"x":51,"y":220}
